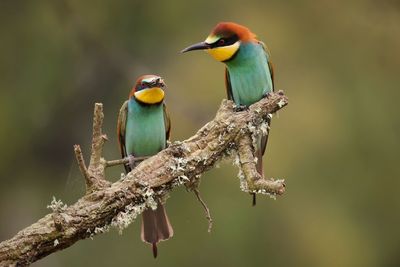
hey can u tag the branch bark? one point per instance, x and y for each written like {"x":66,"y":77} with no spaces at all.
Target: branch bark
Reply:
{"x":106,"y":205}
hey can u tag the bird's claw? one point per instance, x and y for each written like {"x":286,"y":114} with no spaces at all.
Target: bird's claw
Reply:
{"x":238,"y":108}
{"x":132,"y":161}
{"x":266,"y":95}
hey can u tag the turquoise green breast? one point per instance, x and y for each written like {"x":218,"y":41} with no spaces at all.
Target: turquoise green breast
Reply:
{"x":249,"y":74}
{"x":145,"y":129}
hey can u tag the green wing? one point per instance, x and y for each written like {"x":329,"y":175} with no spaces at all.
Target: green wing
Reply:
{"x":270,"y":66}
{"x":121,"y":127}
{"x":167,"y":122}
{"x":228,"y":85}
{"x":264,"y":139}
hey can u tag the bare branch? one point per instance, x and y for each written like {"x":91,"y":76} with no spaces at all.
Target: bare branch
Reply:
{"x":98,"y":138}
{"x":123,"y":161}
{"x":206,"y":209}
{"x":108,"y":205}
{"x":97,"y":163}
{"x":82,"y":165}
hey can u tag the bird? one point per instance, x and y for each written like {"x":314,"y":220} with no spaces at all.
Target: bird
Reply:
{"x":249,"y":74}
{"x":143,"y":129}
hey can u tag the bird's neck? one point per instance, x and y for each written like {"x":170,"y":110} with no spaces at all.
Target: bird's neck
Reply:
{"x":140,"y":108}
{"x":246,"y":54}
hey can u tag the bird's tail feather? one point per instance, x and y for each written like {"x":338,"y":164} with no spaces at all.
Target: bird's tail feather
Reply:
{"x":156,"y":227}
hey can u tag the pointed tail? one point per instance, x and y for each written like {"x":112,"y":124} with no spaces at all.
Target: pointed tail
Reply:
{"x":156,"y":227}
{"x":262,"y":143}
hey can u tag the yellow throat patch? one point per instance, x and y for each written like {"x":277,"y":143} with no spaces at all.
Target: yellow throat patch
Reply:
{"x":224,"y":52}
{"x":150,"y":95}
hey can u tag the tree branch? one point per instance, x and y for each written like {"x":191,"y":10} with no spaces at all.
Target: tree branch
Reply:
{"x":107,"y":205}
{"x":82,"y":165}
{"x":123,"y":161}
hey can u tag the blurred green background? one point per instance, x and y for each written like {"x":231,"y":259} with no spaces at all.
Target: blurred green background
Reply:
{"x":336,"y":143}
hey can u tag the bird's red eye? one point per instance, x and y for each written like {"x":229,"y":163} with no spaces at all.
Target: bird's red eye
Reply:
{"x":221,"y":42}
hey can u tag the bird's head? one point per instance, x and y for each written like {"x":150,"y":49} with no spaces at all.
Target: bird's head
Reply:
{"x":224,"y":41}
{"x":149,"y":89}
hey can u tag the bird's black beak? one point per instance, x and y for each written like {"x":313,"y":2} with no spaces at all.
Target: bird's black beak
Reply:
{"x":198,"y":46}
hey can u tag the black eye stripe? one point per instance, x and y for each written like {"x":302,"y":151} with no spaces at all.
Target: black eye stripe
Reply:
{"x":225,"y":41}
{"x":145,"y":85}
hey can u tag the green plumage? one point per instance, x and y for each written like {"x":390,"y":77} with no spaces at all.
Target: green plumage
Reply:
{"x":142,"y":129}
{"x":145,"y":129}
{"x":249,"y":74}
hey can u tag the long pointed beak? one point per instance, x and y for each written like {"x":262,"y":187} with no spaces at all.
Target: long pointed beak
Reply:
{"x":198,"y":46}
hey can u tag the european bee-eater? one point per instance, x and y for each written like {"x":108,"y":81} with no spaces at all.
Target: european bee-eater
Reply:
{"x":248,"y":72}
{"x":143,"y":130}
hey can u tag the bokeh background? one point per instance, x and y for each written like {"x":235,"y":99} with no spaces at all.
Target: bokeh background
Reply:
{"x":336,"y":143}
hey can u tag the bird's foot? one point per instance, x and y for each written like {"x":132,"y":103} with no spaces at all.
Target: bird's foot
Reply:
{"x":266,"y":95}
{"x":238,"y":108}
{"x":132,"y":161}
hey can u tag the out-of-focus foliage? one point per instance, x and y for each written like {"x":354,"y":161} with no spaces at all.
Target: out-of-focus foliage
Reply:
{"x":337,"y":143}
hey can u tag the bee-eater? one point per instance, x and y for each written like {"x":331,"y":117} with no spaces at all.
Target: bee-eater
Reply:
{"x":143,"y":130}
{"x":248,"y":72}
